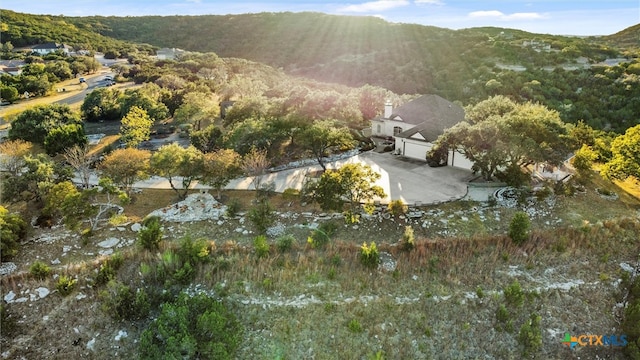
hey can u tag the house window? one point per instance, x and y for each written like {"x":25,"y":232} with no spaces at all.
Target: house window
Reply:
{"x":396,"y":130}
{"x":379,"y":129}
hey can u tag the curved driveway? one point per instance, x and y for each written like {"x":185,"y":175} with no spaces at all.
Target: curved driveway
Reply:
{"x":410,"y":181}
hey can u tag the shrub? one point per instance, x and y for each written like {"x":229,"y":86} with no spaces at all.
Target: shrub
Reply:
{"x":233,"y":207}
{"x":39,"y":270}
{"x":150,"y":235}
{"x":261,"y":246}
{"x":354,"y":326}
{"x":408,"y":239}
{"x":530,"y":336}
{"x":351,"y":218}
{"x":108,"y":269}
{"x":65,"y":285}
{"x":12,"y":230}
{"x":519,"y":227}
{"x":369,"y":255}
{"x":262,"y":216}
{"x":514,"y":295}
{"x":397,"y":208}
{"x":191,"y":327}
{"x":193,"y":251}
{"x":285,"y":242}
{"x":123,"y":303}
{"x":290,"y":194}
{"x":631,"y":320}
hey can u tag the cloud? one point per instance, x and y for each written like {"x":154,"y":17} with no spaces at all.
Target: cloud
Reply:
{"x":379,"y":5}
{"x":194,"y":1}
{"x":506,"y":17}
{"x":429,"y":2}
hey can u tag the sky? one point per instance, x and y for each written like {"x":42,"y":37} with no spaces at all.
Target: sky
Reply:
{"x":558,"y":17}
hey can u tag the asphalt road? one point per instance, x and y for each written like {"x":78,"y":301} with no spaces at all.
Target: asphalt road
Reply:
{"x":92,"y":83}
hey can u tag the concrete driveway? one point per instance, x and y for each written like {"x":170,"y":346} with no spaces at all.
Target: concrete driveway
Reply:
{"x":408,"y":180}
{"x":411,"y":181}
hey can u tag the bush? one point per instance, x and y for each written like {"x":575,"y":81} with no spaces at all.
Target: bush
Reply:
{"x":631,"y":320}
{"x":514,"y":295}
{"x":39,"y":270}
{"x":233,"y":207}
{"x":408,"y":239}
{"x":530,"y":336}
{"x":321,"y":236}
{"x":193,"y":251}
{"x":369,"y":255}
{"x":65,"y":285}
{"x":519,"y":227}
{"x":261,"y":246}
{"x":12,"y":230}
{"x":397,"y":208}
{"x":290,"y":194}
{"x":108,"y":269}
{"x":354,"y":326}
{"x":123,"y":303}
{"x":262,"y":216}
{"x":191,"y":327}
{"x":150,"y":235}
{"x":285,"y":243}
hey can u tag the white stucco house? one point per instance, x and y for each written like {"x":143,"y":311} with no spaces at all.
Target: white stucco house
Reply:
{"x":415,"y":125}
{"x":46,"y":48}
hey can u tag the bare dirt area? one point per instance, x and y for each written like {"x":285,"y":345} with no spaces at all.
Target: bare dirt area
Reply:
{"x":441,"y":300}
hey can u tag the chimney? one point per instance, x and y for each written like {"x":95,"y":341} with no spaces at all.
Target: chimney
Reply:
{"x":388,"y":109}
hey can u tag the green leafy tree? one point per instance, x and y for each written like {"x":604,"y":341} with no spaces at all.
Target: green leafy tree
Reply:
{"x":39,"y":175}
{"x":126,"y":166}
{"x":36,"y":123}
{"x":64,"y":137}
{"x":101,"y":104}
{"x":9,"y":93}
{"x":220,"y":167}
{"x":147,"y":98}
{"x":583,"y":163}
{"x":501,"y":137}
{"x":207,"y":139}
{"x":176,"y":163}
{"x":196,"y":107}
{"x":352,"y":183}
{"x":135,"y":127}
{"x":13,"y":229}
{"x":322,"y":136}
{"x":625,"y":161}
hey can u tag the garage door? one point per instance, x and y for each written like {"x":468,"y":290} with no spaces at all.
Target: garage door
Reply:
{"x":416,"y":150}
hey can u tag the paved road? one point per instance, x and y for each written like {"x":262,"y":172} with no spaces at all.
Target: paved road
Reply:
{"x":92,"y":83}
{"x":410,"y":181}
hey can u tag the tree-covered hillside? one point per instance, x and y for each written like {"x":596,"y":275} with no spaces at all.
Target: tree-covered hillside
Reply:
{"x":26,"y":30}
{"x":466,"y":65}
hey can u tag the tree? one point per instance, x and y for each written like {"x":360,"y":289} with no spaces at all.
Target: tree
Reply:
{"x":501,"y":137}
{"x":196,"y":107}
{"x":80,"y":160}
{"x":172,"y":161}
{"x":36,"y":123}
{"x":322,"y":136}
{"x":13,"y":153}
{"x":351,"y":182}
{"x":101,"y":104}
{"x":12,"y":230}
{"x":625,"y":161}
{"x":9,"y":93}
{"x":135,"y":127}
{"x":220,"y":167}
{"x":207,"y":139}
{"x":63,"y":137}
{"x":583,"y":162}
{"x":255,"y":164}
{"x":126,"y":166}
{"x":92,"y":205}
{"x":147,"y":98}
{"x":33,"y":184}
